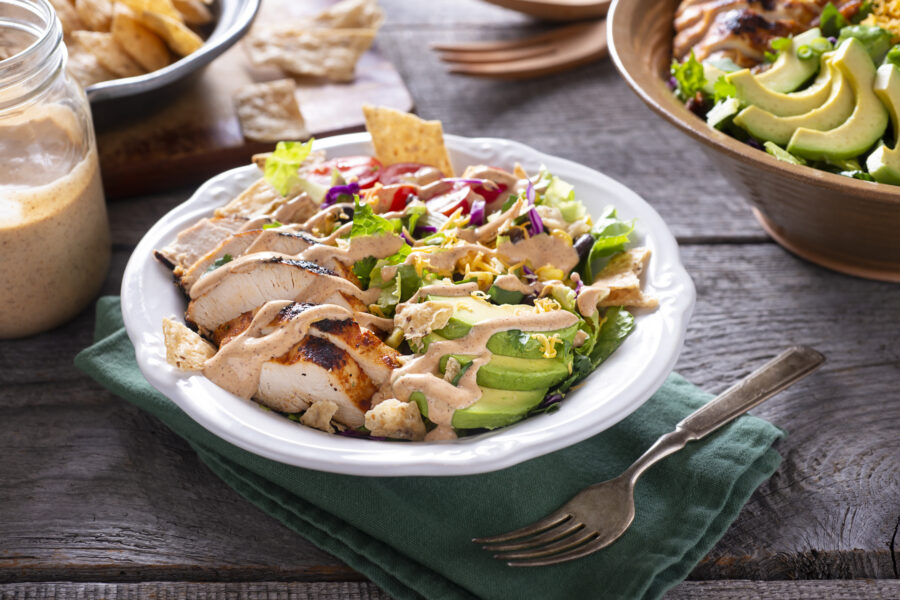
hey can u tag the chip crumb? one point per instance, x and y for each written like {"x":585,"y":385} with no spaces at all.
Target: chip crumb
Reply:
{"x":319,"y":415}
{"x":185,"y":349}
{"x":402,"y":137}
{"x":621,"y":276}
{"x":269,"y":111}
{"x":392,"y":418}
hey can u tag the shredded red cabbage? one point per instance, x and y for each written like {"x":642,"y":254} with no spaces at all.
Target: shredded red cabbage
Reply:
{"x":537,"y":226}
{"x":476,"y":215}
{"x":335,"y":192}
{"x":550,"y":399}
{"x":529,"y":274}
{"x":423,"y":229}
{"x":529,"y":193}
{"x":578,"y":286}
{"x":407,"y":239}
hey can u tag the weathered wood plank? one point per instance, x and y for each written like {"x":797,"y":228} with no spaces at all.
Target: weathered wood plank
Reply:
{"x":828,"y":512}
{"x":689,"y":590}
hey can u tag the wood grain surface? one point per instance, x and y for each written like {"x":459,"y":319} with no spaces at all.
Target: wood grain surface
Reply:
{"x":95,"y":493}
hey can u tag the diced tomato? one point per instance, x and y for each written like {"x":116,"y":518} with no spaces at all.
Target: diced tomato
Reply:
{"x":490,"y":194}
{"x":363,"y":169}
{"x":394,"y":173}
{"x":401,"y":197}
{"x":448,"y":202}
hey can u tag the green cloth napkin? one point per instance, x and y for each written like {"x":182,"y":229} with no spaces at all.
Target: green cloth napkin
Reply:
{"x":411,"y":535}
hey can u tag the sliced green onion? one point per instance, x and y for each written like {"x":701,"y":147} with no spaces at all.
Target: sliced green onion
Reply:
{"x":820,"y":45}
{"x":805,"y":52}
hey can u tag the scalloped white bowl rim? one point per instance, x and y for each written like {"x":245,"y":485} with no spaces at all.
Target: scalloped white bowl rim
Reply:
{"x":618,"y":387}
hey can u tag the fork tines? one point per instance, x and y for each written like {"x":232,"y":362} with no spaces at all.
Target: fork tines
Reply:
{"x":556,"y":538}
{"x":541,"y":54}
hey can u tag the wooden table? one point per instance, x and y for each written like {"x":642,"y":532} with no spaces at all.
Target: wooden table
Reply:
{"x":100,"y":500}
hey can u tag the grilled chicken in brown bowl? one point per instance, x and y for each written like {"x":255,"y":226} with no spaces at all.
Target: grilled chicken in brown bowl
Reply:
{"x":766,"y":88}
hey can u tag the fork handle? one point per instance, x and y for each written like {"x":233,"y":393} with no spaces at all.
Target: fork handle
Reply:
{"x":781,"y":372}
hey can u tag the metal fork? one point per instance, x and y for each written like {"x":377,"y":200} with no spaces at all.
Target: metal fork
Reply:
{"x":598,"y":515}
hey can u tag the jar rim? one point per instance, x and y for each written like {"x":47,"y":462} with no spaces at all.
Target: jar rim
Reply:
{"x":34,"y":61}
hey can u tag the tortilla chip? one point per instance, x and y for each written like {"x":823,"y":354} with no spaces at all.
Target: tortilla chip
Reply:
{"x":269,"y":111}
{"x":351,"y":14}
{"x":319,"y":415}
{"x":68,"y":16}
{"x":108,"y":52}
{"x":185,"y":349}
{"x":312,"y":52}
{"x":141,"y":44}
{"x":96,"y":14}
{"x":160,"y":7}
{"x":84,"y":67}
{"x":403,"y":137}
{"x":622,"y":276}
{"x":180,"y":39}
{"x":193,"y":12}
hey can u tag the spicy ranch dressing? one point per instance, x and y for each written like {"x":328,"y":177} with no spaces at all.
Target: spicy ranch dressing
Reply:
{"x":54,"y":234}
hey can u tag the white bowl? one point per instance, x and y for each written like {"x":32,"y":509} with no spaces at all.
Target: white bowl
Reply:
{"x":618,"y":387}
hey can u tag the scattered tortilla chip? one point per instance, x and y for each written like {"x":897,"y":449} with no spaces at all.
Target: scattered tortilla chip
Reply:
{"x":403,"y":137}
{"x":319,"y":415}
{"x":141,"y":44}
{"x":180,"y":39}
{"x":160,"y":7}
{"x":84,"y":66}
{"x":96,"y":14}
{"x":108,"y":52}
{"x":185,"y":349}
{"x":193,"y":12}
{"x":329,"y":53}
{"x":269,"y":111}
{"x":351,"y":14}
{"x":622,"y":276}
{"x":68,"y":16}
{"x":395,"y":419}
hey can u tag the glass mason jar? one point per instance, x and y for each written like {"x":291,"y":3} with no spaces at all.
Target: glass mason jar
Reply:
{"x":54,"y":232}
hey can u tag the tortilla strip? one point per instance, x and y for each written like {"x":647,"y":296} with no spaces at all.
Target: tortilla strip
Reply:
{"x":622,"y":276}
{"x":269,"y":112}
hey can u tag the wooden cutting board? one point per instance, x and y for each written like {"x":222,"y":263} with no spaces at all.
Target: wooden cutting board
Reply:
{"x":191,"y":131}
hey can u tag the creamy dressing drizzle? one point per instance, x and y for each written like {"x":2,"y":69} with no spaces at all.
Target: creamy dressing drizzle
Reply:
{"x":590,"y":296}
{"x":420,"y":374}
{"x":323,"y":216}
{"x":511,"y":283}
{"x":237,"y":365}
{"x":541,"y":250}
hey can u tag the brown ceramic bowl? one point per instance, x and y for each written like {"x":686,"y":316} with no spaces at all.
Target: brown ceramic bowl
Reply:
{"x":841,"y":223}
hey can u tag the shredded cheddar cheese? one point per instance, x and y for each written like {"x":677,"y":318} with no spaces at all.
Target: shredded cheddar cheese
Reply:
{"x":563,"y":235}
{"x":548,"y":344}
{"x":543,"y":305}
{"x":885,"y":14}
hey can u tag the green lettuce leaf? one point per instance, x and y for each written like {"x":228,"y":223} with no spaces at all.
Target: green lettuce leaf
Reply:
{"x":689,"y":77}
{"x":561,"y":195}
{"x":610,"y":236}
{"x":617,"y":325}
{"x":366,"y":222}
{"x":282,"y":165}
{"x":831,"y":21}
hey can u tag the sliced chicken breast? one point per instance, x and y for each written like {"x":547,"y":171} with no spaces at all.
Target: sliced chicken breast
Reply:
{"x":247,"y":242}
{"x":197,"y":240}
{"x":316,"y":369}
{"x":247,"y":283}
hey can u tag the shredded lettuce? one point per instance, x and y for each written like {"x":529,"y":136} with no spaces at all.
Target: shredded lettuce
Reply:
{"x":723,"y":89}
{"x":561,"y":195}
{"x":282,"y":165}
{"x":688,"y":76}
{"x":366,"y":222}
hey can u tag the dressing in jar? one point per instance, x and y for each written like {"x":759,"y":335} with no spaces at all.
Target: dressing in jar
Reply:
{"x":54,"y":232}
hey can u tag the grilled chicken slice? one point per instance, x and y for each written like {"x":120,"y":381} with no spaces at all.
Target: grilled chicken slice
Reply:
{"x":247,"y":242}
{"x":316,"y":369}
{"x":197,"y":240}
{"x":337,"y":360}
{"x":742,"y":30}
{"x":247,"y":283}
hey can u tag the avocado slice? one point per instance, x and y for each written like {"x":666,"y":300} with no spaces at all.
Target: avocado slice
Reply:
{"x":863,"y":127}
{"x":836,"y":110}
{"x":884,"y":163}
{"x":512,"y":373}
{"x":496,"y":408}
{"x":790,"y":71}
{"x":502,"y":296}
{"x":470,"y":311}
{"x":751,"y":92}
